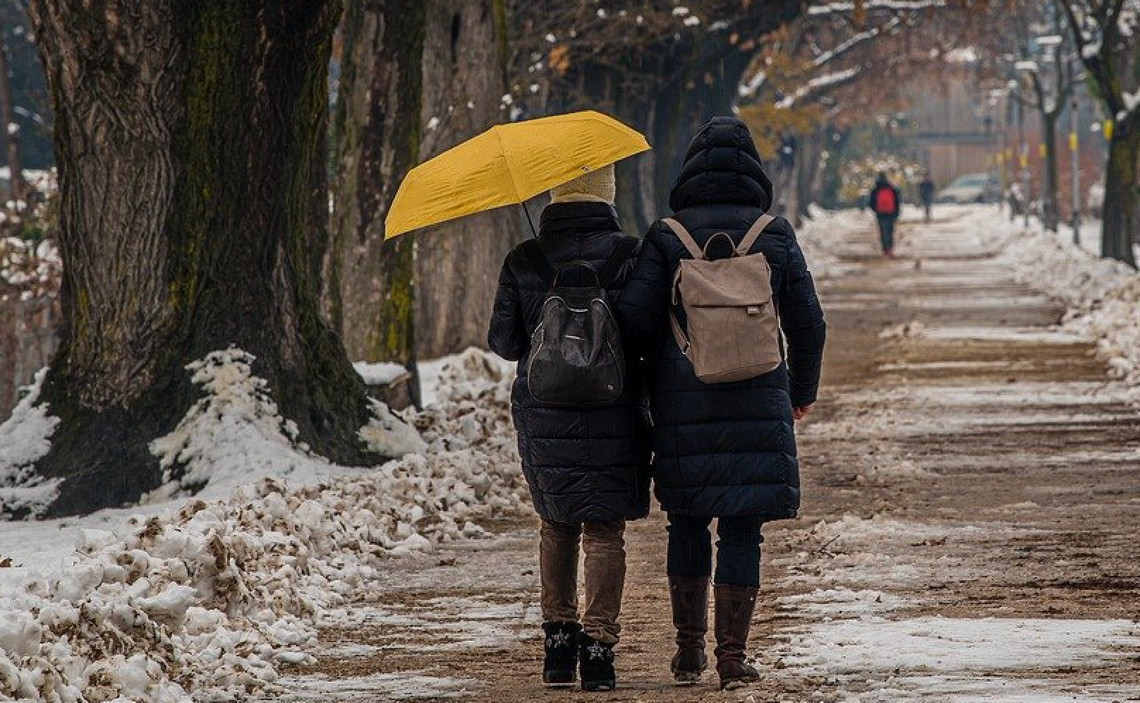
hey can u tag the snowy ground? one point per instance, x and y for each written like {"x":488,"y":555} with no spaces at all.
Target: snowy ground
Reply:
{"x":968,"y":533}
{"x":211,"y":596}
{"x":959,"y":467}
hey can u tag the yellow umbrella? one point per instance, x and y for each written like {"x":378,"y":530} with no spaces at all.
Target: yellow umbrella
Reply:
{"x":507,"y":165}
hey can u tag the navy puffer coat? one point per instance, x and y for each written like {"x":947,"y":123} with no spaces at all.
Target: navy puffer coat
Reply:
{"x":582,"y":465}
{"x":725,"y":449}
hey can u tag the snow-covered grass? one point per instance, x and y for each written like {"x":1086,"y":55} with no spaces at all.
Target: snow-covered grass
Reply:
{"x":203,"y":599}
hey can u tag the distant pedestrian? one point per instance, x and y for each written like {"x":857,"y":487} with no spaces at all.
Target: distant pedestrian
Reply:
{"x":586,"y":463}
{"x":926,"y":195}
{"x":723,"y":449}
{"x":884,"y":201}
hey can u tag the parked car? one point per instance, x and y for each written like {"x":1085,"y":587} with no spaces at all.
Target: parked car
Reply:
{"x":970,"y":188}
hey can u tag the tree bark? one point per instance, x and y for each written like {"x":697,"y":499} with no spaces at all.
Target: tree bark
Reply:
{"x":369,"y":282}
{"x":186,"y":137}
{"x":11,"y":132}
{"x":807,"y":175}
{"x":457,"y":263}
{"x":1122,"y":193}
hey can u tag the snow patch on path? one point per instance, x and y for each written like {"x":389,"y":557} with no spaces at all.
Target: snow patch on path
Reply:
{"x":958,"y":659}
{"x":404,"y":686}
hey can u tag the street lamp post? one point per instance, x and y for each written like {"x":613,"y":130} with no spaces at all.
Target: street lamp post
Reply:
{"x":1074,"y":155}
{"x":998,"y":136}
{"x":1023,"y":143}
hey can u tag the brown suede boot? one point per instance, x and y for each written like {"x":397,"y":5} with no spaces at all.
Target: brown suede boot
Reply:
{"x":690,"y":598}
{"x":734,"y":606}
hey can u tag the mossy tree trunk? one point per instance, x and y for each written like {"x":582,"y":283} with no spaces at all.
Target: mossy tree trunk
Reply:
{"x":457,"y":263}
{"x":1122,"y":192}
{"x":186,"y":135}
{"x":370,"y":292}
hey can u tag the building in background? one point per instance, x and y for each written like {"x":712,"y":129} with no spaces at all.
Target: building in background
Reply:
{"x":970,"y":125}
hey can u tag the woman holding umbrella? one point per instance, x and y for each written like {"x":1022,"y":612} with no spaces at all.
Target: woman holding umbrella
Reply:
{"x":578,"y":406}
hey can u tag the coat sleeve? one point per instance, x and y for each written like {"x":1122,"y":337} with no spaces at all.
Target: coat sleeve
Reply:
{"x":643,"y":305}
{"x":801,"y":319}
{"x":507,"y":336}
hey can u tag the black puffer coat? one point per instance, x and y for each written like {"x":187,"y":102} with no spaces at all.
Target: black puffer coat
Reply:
{"x":725,"y":449}
{"x":588,"y":465}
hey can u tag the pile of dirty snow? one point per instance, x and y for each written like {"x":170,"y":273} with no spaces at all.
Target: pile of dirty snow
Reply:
{"x":206,"y":600}
{"x":817,"y":238}
{"x":1102,"y":295}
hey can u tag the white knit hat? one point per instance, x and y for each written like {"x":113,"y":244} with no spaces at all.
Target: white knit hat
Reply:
{"x":598,"y":185}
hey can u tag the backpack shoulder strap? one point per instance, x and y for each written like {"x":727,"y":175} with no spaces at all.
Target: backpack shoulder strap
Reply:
{"x":685,"y":237}
{"x":609,"y":272}
{"x":533,"y":251}
{"x":754,"y":233}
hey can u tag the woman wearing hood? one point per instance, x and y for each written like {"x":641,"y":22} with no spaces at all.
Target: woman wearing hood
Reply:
{"x":722,"y":450}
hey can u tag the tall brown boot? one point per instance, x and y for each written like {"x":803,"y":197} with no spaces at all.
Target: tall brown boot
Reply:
{"x":734,"y":606}
{"x":690,"y":599}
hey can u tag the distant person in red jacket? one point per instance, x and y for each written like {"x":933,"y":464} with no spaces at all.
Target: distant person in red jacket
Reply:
{"x":885,"y":202}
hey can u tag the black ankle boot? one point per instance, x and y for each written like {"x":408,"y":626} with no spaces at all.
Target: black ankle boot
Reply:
{"x":597,"y":664}
{"x":561,"y":646}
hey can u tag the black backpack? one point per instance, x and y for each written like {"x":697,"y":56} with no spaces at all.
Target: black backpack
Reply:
{"x":576,"y":355}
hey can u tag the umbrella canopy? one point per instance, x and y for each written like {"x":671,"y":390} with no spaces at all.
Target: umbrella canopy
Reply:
{"x":507,"y":165}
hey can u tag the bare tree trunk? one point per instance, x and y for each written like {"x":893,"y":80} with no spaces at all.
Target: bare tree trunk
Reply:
{"x":1049,"y":209}
{"x":186,"y":135}
{"x":807,"y":175}
{"x":457,"y":263}
{"x":1122,"y":193}
{"x":370,"y":294}
{"x":11,"y":132}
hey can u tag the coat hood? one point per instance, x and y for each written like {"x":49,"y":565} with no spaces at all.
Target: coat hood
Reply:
{"x":722,"y":166}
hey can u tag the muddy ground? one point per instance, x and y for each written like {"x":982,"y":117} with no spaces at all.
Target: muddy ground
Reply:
{"x":969,"y":461}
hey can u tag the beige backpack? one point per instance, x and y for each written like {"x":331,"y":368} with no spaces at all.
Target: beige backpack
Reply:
{"x":733,"y":330}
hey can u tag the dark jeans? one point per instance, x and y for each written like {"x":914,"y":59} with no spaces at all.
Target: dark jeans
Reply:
{"x":887,"y":232}
{"x":738,"y":549}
